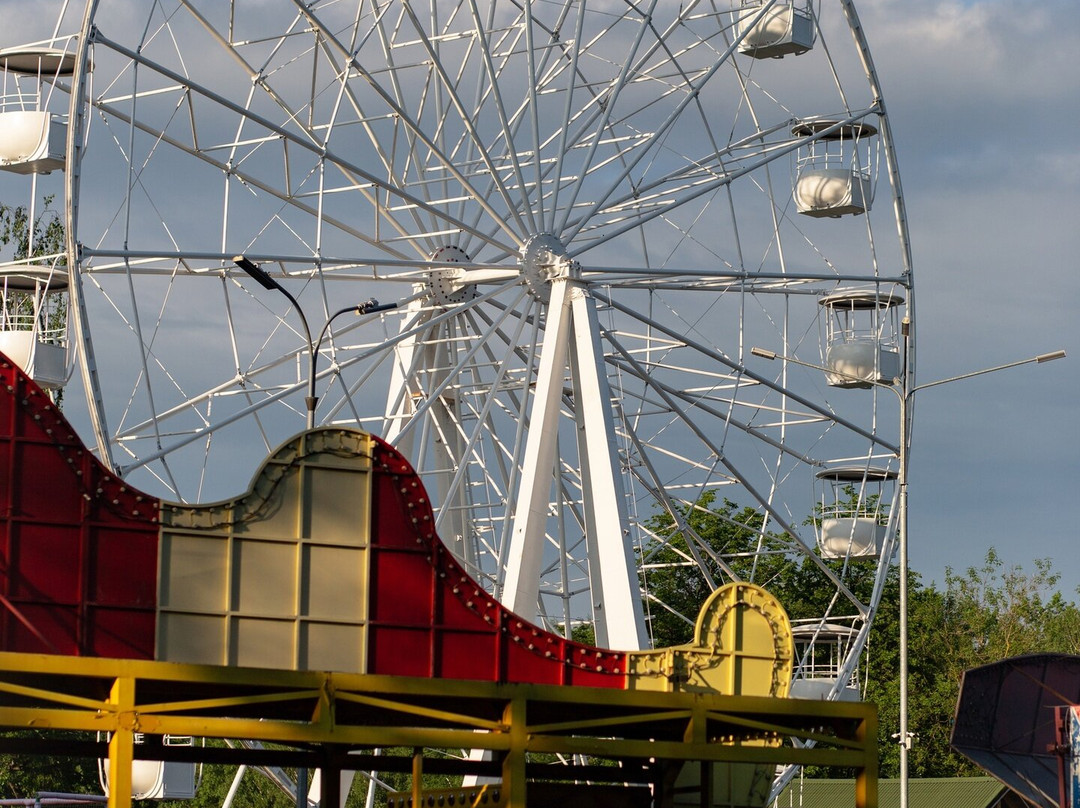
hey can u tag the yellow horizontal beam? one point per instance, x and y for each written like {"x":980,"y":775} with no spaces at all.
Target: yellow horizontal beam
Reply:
{"x":230,"y":701}
{"x":255,"y":715}
{"x":635,"y":719}
{"x":675,"y":750}
{"x":425,"y":712}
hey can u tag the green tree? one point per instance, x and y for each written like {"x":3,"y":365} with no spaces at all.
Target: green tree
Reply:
{"x":982,"y":615}
{"x":671,"y":566}
{"x":41,"y":242}
{"x":16,"y":230}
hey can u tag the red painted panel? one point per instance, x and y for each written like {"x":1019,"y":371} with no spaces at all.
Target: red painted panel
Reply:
{"x":400,"y":650}
{"x":116,"y":557}
{"x":78,"y":567}
{"x":477,"y":637}
{"x":401,"y":587}
{"x":42,"y":484}
{"x":73,"y":538}
{"x":44,"y":563}
{"x":41,"y":628}
{"x":467,"y":655}
{"x":121,"y":633}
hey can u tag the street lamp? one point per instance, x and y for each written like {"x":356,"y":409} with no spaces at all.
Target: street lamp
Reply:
{"x":367,"y":307}
{"x":905,"y":395}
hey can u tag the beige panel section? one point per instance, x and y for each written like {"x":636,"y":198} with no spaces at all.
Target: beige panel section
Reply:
{"x":257,"y":643}
{"x":335,"y":575}
{"x":264,"y":577}
{"x":336,"y":510}
{"x":276,"y":578}
{"x":282,"y":519}
{"x":194,"y":571}
{"x":331,"y":646}
{"x":198,"y":639}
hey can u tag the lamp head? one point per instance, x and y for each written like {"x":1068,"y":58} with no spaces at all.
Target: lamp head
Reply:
{"x":373,"y":305}
{"x":256,"y":272}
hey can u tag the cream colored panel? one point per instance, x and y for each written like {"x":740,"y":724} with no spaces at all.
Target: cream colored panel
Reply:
{"x":335,"y":576}
{"x":275,"y":578}
{"x":279,"y":516}
{"x":336,"y":511}
{"x":198,"y":639}
{"x":265,"y":578}
{"x":193,"y":572}
{"x":332,"y":647}
{"x":263,"y":643}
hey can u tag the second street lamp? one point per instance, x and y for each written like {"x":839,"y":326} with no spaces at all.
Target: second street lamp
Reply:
{"x":371,"y":306}
{"x":905,"y":395}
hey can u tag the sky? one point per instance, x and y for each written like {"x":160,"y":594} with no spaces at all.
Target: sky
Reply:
{"x":984,"y":101}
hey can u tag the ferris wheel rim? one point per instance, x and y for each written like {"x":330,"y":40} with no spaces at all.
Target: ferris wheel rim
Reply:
{"x":596,"y":280}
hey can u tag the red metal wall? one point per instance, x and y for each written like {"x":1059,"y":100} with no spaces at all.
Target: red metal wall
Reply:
{"x":79,"y":567}
{"x":78,"y":549}
{"x":429,"y":618}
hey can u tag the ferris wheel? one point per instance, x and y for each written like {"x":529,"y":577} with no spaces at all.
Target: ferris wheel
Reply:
{"x":587,"y":214}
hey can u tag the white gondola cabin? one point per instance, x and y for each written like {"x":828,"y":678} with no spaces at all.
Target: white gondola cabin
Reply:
{"x":820,"y":651}
{"x":159,"y":779}
{"x":834,"y":176}
{"x":34,"y":321}
{"x":33,"y":140}
{"x":860,"y":340}
{"x":773,"y":31}
{"x":853,"y":511}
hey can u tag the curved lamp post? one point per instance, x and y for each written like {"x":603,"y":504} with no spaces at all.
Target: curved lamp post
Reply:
{"x":367,"y":307}
{"x":905,"y":395}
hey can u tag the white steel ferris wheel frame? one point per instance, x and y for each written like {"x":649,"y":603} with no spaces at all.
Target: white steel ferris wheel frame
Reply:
{"x":521,"y":371}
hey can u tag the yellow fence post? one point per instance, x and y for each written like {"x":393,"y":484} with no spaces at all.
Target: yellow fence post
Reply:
{"x":513,"y":766}
{"x":122,"y":742}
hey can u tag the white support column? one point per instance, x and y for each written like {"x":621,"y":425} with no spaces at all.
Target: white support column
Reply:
{"x":618,"y":615}
{"x":525,"y":557}
{"x":399,"y":404}
{"x":447,"y":455}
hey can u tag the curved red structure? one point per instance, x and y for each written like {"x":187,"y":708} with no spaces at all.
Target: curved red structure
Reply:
{"x":330,"y":561}
{"x":78,"y":547}
{"x":81,"y":551}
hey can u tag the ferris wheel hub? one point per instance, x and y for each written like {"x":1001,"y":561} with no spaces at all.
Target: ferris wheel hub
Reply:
{"x":445,"y":285}
{"x":543,"y":259}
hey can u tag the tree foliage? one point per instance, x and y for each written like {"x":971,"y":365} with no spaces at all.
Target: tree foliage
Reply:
{"x":16,"y":229}
{"x":986,"y":613}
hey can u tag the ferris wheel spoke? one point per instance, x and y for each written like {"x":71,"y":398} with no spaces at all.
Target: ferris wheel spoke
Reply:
{"x":449,"y":87}
{"x":249,"y":180}
{"x":416,"y":130}
{"x":304,"y":143}
{"x":690,"y":87}
{"x":507,"y":133}
{"x":763,"y":380}
{"x":483,"y":423}
{"x":605,"y":110}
